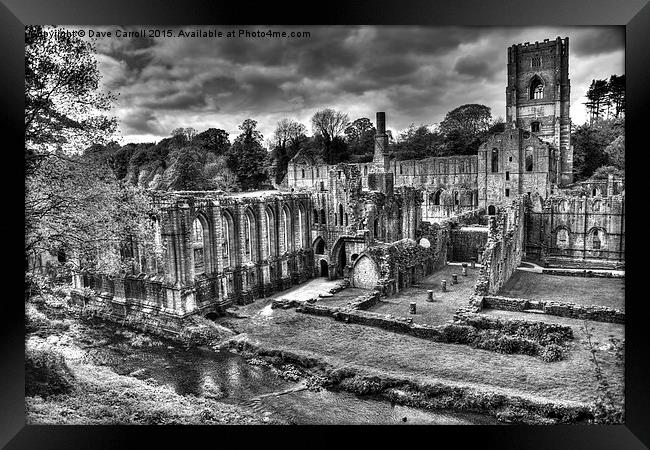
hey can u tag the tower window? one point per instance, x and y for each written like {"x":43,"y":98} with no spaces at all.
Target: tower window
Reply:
{"x":507,"y":176}
{"x":536,"y":89}
{"x":529,"y":159}
{"x":507,"y":192}
{"x":400,"y":169}
{"x":365,"y":170}
{"x":303,"y":173}
{"x":534,"y":127}
{"x":495,"y":160}
{"x":462,"y":166}
{"x":536,"y":61}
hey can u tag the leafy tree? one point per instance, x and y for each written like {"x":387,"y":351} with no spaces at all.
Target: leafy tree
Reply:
{"x":218,"y":176}
{"x":186,"y":172}
{"x":247,"y":158}
{"x":616,"y":93}
{"x":598,"y":99}
{"x":360,"y":136}
{"x":184,"y":135}
{"x":73,"y":201}
{"x":288,"y":138}
{"x":465,"y":128}
{"x":330,"y":124}
{"x":615,"y":152}
{"x":417,"y":142}
{"x":213,"y":140}
{"x":589,"y":145}
{"x":63,"y":106}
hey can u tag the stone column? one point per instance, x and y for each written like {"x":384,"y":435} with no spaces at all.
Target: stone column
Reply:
{"x":443,"y":285}
{"x":412,"y":307}
{"x":464,"y":269}
{"x":454,"y":278}
{"x":429,"y":295}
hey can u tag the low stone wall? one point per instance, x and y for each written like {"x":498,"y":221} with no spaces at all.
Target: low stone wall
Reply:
{"x":365,"y":301}
{"x":572,"y":310}
{"x":584,"y":273}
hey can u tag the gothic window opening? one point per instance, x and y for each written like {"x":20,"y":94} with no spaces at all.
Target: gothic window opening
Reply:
{"x":595,"y":240}
{"x":536,"y":61}
{"x":456,"y":199}
{"x":376,"y":228}
{"x":302,"y":227}
{"x":365,"y":170}
{"x":286,"y":218}
{"x":198,"y":246}
{"x":346,"y":219}
{"x":250,"y":236}
{"x":462,"y":167}
{"x":315,"y":216}
{"x":529,"y":159}
{"x":507,"y":176}
{"x":227,"y":246}
{"x":507,"y":192}
{"x":303,"y":173}
{"x":270,"y":233}
{"x":401,"y":171}
{"x":534,"y":127}
{"x":317,"y":172}
{"x":322,"y":217}
{"x":495,"y":160}
{"x":536,"y":89}
{"x":562,"y":238}
{"x":340,"y":214}
{"x":436,"y":198}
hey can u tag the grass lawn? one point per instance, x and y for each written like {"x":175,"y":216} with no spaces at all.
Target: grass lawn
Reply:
{"x":585,"y":291}
{"x":445,"y":303}
{"x":403,"y":356}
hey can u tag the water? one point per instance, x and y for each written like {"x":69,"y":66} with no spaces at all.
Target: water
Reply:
{"x":229,"y":378}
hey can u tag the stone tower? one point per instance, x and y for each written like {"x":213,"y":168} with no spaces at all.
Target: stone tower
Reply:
{"x":538,"y":97}
{"x":381,"y":158}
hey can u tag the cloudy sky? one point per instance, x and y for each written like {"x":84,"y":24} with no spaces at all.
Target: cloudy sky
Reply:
{"x":415,"y":74}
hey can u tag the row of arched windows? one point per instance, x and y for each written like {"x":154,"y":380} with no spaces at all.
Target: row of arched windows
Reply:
{"x":271,"y":233}
{"x":595,"y":238}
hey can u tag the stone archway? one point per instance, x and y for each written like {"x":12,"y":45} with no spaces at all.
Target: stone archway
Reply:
{"x":324,"y":268}
{"x":365,"y":274}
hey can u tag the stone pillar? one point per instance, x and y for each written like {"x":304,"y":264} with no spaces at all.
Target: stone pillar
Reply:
{"x":454,"y":278}
{"x":464,"y":269}
{"x":429,"y":295}
{"x":412,"y":307}
{"x":473,"y":261}
{"x":443,"y":285}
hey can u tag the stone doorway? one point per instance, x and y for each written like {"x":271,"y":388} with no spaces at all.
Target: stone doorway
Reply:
{"x":324,"y":268}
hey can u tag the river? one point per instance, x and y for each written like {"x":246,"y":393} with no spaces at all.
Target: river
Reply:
{"x":230,"y":378}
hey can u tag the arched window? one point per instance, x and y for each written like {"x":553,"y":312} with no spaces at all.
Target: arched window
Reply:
{"x":346,"y":219}
{"x":529,"y":158}
{"x":198,"y":246}
{"x":270,"y":232}
{"x":228,"y":244}
{"x":534,"y":127}
{"x":495,"y":160}
{"x":536,"y":89}
{"x":456,"y":198}
{"x":315,"y":216}
{"x":595,"y":240}
{"x":322,"y":217}
{"x":340,"y":214}
{"x":562,"y":238}
{"x":286,"y":219}
{"x":365,"y":170}
{"x":303,"y":173}
{"x":491,"y":210}
{"x":320,"y":246}
{"x":317,"y":172}
{"x":596,"y":206}
{"x":400,"y":169}
{"x":462,"y":166}
{"x":250,"y":236}
{"x":301,"y":227}
{"x":436,"y":197}
{"x":376,"y":228}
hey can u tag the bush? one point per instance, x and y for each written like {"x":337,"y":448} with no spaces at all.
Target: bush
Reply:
{"x":552,"y":352}
{"x":46,"y":374}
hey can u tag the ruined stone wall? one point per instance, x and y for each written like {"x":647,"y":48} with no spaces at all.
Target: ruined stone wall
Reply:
{"x":577,"y":231}
{"x":467,"y":243}
{"x":504,"y":248}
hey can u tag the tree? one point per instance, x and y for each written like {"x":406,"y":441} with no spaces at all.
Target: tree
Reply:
{"x":330,"y":124}
{"x":615,"y":152}
{"x":590,"y":142}
{"x":184,"y":135}
{"x":598,"y":96}
{"x":218,"y":176}
{"x":616,"y":94}
{"x":247,"y":158}
{"x":73,"y":201}
{"x":360,"y":136}
{"x":417,"y":142}
{"x":64,"y":108}
{"x":186,"y":172}
{"x":465,"y":128}
{"x":288,"y":137}
{"x":213,"y":140}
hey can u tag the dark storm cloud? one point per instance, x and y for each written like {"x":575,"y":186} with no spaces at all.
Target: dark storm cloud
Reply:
{"x":416,"y":74}
{"x":468,"y":65}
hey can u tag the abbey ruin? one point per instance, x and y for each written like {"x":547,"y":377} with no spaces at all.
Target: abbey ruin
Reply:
{"x":386,"y":224}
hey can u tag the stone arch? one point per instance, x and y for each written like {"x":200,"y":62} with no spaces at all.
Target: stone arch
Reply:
{"x":319,"y":246}
{"x":251,"y":248}
{"x":200,"y":241}
{"x":229,"y":243}
{"x":323,"y":219}
{"x":562,"y":237}
{"x":340,"y":214}
{"x":597,"y":239}
{"x":324,"y":268}
{"x":595,"y":205}
{"x":435,"y":197}
{"x":339,"y":257}
{"x":491,"y":210}
{"x":286,"y":228}
{"x":536,"y":88}
{"x":365,"y":273}
{"x":269,"y":226}
{"x":303,"y":231}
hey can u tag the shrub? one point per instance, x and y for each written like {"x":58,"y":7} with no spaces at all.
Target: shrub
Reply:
{"x":46,"y":373}
{"x":552,"y":352}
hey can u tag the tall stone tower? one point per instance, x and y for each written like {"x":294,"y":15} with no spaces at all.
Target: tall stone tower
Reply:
{"x":538,"y":97}
{"x":381,"y":158}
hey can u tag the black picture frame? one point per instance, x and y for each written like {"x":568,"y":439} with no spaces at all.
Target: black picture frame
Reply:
{"x":634,"y":15}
